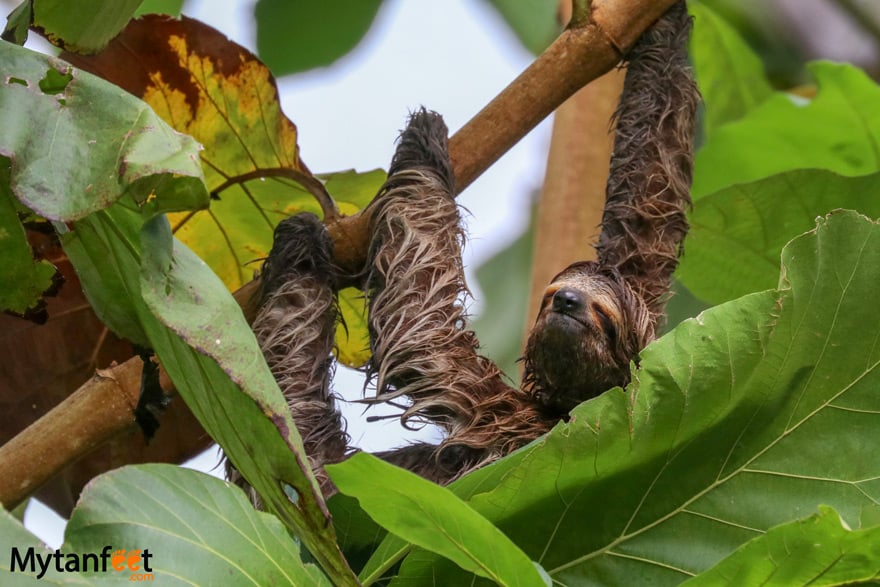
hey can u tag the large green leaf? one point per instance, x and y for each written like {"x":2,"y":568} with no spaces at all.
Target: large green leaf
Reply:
{"x":837,"y":130}
{"x":730,"y":75}
{"x":198,"y":529}
{"x":14,"y":535}
{"x":737,"y":233}
{"x":208,"y":350}
{"x":77,"y":144}
{"x":747,"y":417}
{"x":432,"y":517}
{"x":817,"y":551}
{"x":194,"y":529}
{"x":297,"y":35}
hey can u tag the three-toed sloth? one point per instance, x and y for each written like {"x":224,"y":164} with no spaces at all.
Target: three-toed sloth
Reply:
{"x":595,"y":316}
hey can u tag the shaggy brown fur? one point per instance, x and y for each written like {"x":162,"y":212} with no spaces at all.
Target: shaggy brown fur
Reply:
{"x":597,"y":316}
{"x":295,"y":329}
{"x":421,"y":348}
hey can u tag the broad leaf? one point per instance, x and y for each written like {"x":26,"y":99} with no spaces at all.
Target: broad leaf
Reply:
{"x":294,"y":36}
{"x":837,"y":130}
{"x":430,"y":516}
{"x":730,"y":75}
{"x":24,"y":277}
{"x":77,"y":144}
{"x":14,"y":536}
{"x":205,"y":85}
{"x":817,"y":551}
{"x":737,"y":233}
{"x":208,"y":350}
{"x":747,"y":417}
{"x":198,"y":529}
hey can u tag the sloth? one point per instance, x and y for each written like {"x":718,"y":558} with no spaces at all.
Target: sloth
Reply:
{"x":595,"y":317}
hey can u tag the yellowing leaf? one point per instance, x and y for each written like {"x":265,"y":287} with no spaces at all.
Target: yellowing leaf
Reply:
{"x":205,"y":85}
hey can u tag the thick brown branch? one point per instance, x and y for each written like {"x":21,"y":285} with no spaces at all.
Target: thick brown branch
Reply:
{"x":91,"y":416}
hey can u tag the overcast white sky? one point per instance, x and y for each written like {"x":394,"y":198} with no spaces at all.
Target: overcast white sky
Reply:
{"x":452,"y":57}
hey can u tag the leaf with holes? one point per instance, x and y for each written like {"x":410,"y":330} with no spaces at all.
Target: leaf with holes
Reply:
{"x":751,"y":415}
{"x":205,"y":85}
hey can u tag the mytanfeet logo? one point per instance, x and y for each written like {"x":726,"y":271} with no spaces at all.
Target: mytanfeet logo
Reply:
{"x":136,"y":562}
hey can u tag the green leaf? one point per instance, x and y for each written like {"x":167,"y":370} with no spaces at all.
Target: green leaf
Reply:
{"x":204,"y":343}
{"x":819,"y":550}
{"x":353,"y":190}
{"x":730,"y":75}
{"x":24,"y":278}
{"x":737,"y":233}
{"x":14,"y":535}
{"x":838,"y":131}
{"x":535,"y":22}
{"x":297,"y":35}
{"x":18,"y":23}
{"x":85,"y":26}
{"x":171,"y":7}
{"x":432,"y":517}
{"x":78,"y":144}
{"x":198,"y":529}
{"x":751,"y":415}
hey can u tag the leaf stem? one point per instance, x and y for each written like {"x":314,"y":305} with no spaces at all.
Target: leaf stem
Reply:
{"x":313,"y":185}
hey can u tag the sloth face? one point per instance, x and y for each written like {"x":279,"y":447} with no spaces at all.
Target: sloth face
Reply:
{"x":590,"y":326}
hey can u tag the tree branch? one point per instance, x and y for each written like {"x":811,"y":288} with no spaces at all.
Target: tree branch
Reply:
{"x":95,"y":413}
{"x":103,"y":407}
{"x":580,"y":55}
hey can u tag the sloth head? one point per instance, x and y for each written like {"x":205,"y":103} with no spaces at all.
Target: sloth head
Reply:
{"x":590,"y":326}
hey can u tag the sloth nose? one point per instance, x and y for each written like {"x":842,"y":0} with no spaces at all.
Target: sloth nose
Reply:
{"x":568,"y":300}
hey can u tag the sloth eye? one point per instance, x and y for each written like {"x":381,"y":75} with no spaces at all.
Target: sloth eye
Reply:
{"x":606,"y":322}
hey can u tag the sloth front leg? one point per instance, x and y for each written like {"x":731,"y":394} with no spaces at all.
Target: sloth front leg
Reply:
{"x":423,"y":353}
{"x":295,"y":327}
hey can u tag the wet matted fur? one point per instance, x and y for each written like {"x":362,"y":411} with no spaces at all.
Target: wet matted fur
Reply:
{"x":595,"y":318}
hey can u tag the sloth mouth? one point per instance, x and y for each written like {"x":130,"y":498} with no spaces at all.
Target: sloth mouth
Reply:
{"x":594,"y":320}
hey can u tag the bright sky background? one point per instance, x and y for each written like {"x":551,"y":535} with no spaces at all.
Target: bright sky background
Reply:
{"x":452,"y":57}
